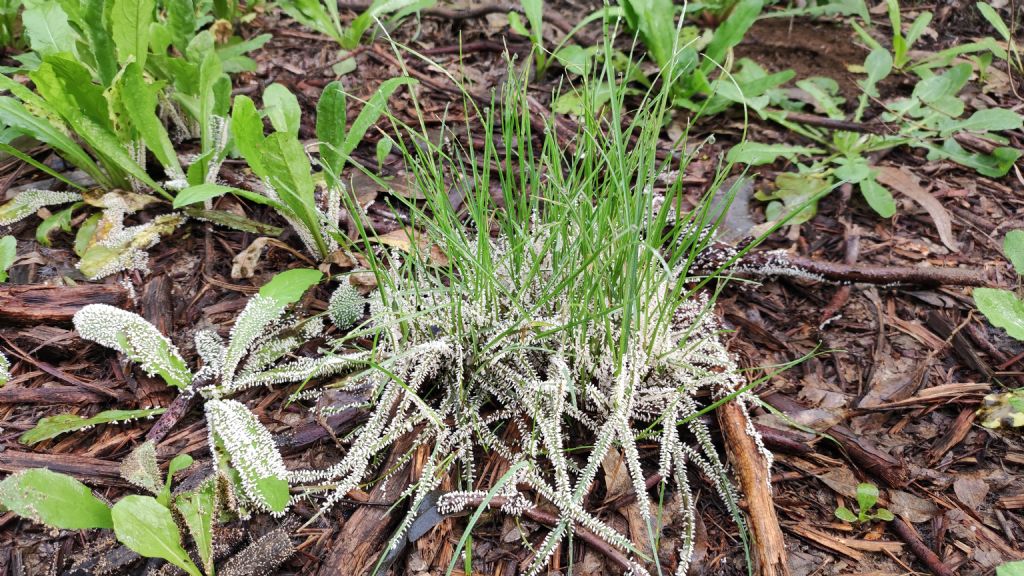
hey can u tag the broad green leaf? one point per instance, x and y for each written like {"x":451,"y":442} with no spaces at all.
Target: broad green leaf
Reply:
{"x":282,"y":109}
{"x":372,"y":112}
{"x":204,"y":192}
{"x":362,"y":23}
{"x":252,"y":452}
{"x":16,"y":116}
{"x":799,"y":195}
{"x":53,"y":499}
{"x":134,"y":337}
{"x":878,"y":65}
{"x":8,"y":253}
{"x":845,"y":514}
{"x":67,"y":86}
{"x":825,"y":92}
{"x":1013,"y":247}
{"x":878,"y":197}
{"x":744,"y":14}
{"x":947,"y":84}
{"x":141,"y":103}
{"x":884,"y":515}
{"x":97,"y":30}
{"x":196,"y":509}
{"x":181,"y":20}
{"x":148,"y":528}
{"x":232,"y":55}
{"x":288,"y":169}
{"x":853,"y":169}
{"x":995,"y":165}
{"x":757,"y":153}
{"x":130,"y":20}
{"x":86,"y":232}
{"x":984,"y":120}
{"x":247,"y":128}
{"x":993,"y":17}
{"x":331,"y":123}
{"x":1002,"y":308}
{"x":46,"y":25}
{"x":53,"y":426}
{"x":289,"y":286}
{"x":867,"y":495}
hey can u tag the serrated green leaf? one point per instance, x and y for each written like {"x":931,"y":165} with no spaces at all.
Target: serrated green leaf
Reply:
{"x":53,"y":426}
{"x":1002,"y":308}
{"x":947,"y":84}
{"x":53,"y":499}
{"x":247,"y":128}
{"x":130,"y":20}
{"x":148,"y":528}
{"x":985,"y":120}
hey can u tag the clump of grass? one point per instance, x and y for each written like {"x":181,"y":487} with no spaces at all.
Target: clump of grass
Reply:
{"x":561,"y":325}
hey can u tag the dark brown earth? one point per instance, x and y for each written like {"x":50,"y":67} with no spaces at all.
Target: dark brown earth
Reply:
{"x":900,"y":369}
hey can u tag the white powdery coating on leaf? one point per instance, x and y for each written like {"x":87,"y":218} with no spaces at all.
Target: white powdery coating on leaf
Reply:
{"x":152,"y":350}
{"x":248,"y":442}
{"x":346,"y":305}
{"x":5,"y":369}
{"x":29,"y":201}
{"x":253,"y":322}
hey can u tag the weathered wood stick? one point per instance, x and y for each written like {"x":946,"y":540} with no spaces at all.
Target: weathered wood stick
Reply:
{"x":752,"y":473}
{"x":34,"y":304}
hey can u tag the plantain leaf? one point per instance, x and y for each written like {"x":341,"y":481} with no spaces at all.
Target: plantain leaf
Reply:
{"x":130,"y":20}
{"x":53,"y":499}
{"x":141,"y":103}
{"x":46,"y":25}
{"x":8,"y":253}
{"x":53,"y":426}
{"x":145,"y":526}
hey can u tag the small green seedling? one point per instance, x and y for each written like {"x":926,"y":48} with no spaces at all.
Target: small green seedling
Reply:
{"x":867,"y":496}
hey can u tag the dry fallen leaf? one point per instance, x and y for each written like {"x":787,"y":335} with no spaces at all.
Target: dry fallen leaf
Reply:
{"x":244,"y":263}
{"x":906,"y":182}
{"x":401,"y":239}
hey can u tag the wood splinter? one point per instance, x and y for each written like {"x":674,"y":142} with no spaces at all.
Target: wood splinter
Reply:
{"x":752,"y":473}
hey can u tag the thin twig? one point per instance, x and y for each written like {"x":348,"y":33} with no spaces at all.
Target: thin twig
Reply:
{"x":908,"y":534}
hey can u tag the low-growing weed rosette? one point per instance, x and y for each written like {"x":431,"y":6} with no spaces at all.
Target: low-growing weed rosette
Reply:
{"x":562,"y":325}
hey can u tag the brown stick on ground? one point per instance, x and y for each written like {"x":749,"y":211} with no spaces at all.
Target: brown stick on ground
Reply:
{"x":776,"y":262}
{"x":35,"y":304}
{"x":752,"y":472}
{"x":363,"y":537}
{"x":907,"y":533}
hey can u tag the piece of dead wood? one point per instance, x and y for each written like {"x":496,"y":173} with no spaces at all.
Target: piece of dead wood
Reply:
{"x":365,"y":534}
{"x":752,"y":473}
{"x":907,"y":533}
{"x":49,"y":394}
{"x":953,"y":436}
{"x":826,"y":541}
{"x":35,"y":304}
{"x":962,"y":347}
{"x":88,"y":470}
{"x":861,"y":452}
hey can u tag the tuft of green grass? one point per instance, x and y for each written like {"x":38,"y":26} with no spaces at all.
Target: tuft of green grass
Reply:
{"x":546,"y":318}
